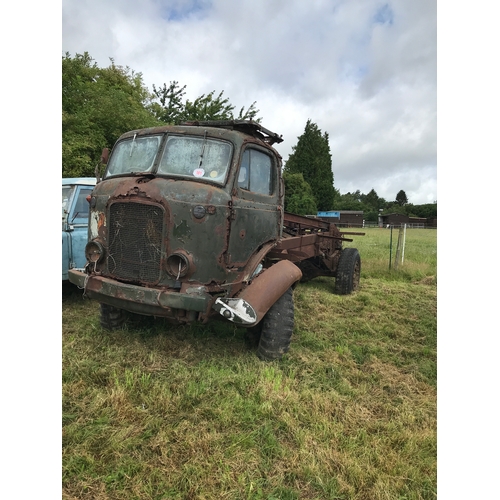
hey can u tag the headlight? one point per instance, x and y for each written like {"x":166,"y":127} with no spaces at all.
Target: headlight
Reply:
{"x":177,"y":265}
{"x":94,"y":252}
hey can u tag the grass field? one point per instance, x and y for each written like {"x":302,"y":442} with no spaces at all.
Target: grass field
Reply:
{"x":159,"y":412}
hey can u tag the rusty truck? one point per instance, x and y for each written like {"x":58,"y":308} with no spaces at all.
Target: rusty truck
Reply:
{"x":188,"y":223}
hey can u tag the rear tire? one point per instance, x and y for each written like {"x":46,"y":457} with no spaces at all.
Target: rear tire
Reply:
{"x":112,"y":318}
{"x":348,"y":272}
{"x":277,"y":328}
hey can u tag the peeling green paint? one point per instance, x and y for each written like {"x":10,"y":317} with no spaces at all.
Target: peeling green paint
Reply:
{"x":182,"y":230}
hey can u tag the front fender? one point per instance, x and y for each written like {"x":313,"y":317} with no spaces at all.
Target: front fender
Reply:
{"x":257,"y":298}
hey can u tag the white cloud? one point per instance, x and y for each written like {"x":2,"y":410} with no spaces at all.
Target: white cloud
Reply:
{"x":364,"y":71}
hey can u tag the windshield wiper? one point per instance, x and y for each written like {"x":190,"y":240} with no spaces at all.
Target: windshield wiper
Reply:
{"x":203,"y":149}
{"x":132,"y":146}
{"x":74,"y":217}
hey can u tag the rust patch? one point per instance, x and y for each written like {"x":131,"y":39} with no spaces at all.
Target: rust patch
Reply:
{"x":101,"y":221}
{"x":219,"y":230}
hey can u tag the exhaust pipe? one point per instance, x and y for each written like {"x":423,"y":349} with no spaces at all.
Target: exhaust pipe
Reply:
{"x":258,"y":297}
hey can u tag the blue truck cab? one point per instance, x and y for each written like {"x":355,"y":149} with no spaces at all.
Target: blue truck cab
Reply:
{"x":75,"y":220}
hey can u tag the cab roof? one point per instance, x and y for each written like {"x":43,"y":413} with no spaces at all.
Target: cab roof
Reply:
{"x":84,"y":181}
{"x":247,"y":127}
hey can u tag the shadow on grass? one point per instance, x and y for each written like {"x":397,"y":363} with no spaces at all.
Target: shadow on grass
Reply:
{"x":215,"y":340}
{"x":70,"y":293}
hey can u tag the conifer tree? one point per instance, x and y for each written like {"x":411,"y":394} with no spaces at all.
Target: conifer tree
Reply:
{"x":311,"y":157}
{"x":401,"y":198}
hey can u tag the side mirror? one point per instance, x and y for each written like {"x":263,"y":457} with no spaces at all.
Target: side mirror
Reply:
{"x":104,"y":161}
{"x":105,"y":156}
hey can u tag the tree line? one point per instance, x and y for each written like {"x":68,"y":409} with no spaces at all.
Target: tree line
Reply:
{"x":310,"y":188}
{"x":99,"y":104}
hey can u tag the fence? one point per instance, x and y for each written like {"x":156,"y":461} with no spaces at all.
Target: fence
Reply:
{"x":387,"y":226}
{"x":403,"y":224}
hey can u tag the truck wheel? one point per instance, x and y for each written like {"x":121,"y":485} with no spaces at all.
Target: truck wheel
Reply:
{"x":348,"y":272}
{"x":277,"y":328}
{"x":112,"y":317}
{"x":252,"y":336}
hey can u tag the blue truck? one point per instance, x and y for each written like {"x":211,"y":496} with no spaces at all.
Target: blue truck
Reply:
{"x":75,"y":221}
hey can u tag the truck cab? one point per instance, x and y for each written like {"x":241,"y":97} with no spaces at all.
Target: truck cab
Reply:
{"x":75,"y":218}
{"x":183,"y":215}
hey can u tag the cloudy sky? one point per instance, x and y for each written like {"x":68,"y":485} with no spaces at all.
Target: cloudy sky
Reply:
{"x":363,"y":70}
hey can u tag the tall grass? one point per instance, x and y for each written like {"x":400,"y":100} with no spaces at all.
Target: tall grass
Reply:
{"x":158,"y":412}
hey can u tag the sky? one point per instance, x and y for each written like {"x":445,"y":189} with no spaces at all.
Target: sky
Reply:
{"x":364,"y":71}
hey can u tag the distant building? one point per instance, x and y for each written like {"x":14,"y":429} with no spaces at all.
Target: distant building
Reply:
{"x":387,"y":220}
{"x":343,"y":218}
{"x":397,"y":220}
{"x":432,"y":222}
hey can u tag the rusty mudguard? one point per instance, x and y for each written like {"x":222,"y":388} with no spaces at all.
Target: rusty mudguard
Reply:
{"x":256,"y":299}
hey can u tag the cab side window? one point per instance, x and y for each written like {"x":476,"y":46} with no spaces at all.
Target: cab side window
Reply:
{"x":81,"y":210}
{"x":256,"y":172}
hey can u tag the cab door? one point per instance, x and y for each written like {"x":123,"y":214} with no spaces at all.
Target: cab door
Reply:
{"x":67,"y":202}
{"x":257,"y":214}
{"x":75,"y":229}
{"x":79,"y":223}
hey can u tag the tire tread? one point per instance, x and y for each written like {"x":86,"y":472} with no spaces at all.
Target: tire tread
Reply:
{"x":111,"y":318}
{"x":344,"y":280}
{"x":277,"y":328}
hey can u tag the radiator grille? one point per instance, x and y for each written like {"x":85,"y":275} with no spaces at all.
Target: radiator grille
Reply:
{"x":135,"y":241}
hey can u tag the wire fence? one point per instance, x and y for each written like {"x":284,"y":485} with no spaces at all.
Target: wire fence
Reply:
{"x":385,"y":226}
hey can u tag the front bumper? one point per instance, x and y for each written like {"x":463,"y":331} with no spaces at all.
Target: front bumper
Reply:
{"x":142,"y":300}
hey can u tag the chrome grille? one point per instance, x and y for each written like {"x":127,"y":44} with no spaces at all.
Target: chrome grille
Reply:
{"x":135,"y":234}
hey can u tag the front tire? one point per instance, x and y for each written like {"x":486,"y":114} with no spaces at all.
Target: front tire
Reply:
{"x":348,"y":272}
{"x":277,"y":328}
{"x":112,"y":318}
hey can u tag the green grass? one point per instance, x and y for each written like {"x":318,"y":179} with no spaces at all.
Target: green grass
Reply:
{"x":159,"y":412}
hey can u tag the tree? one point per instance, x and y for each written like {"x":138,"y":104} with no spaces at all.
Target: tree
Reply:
{"x":311,"y":157}
{"x":206,"y":107}
{"x":372,"y":200}
{"x":98,"y":105}
{"x":401,"y":198}
{"x":298,"y":195}
{"x":427,"y":210}
{"x":371,"y":216}
{"x":169,"y":106}
{"x":350,"y":201}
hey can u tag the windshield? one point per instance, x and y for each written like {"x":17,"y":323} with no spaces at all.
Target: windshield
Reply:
{"x":80,"y":211}
{"x":196,"y":157}
{"x":132,"y":155}
{"x":66,"y":195}
{"x":183,"y":156}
